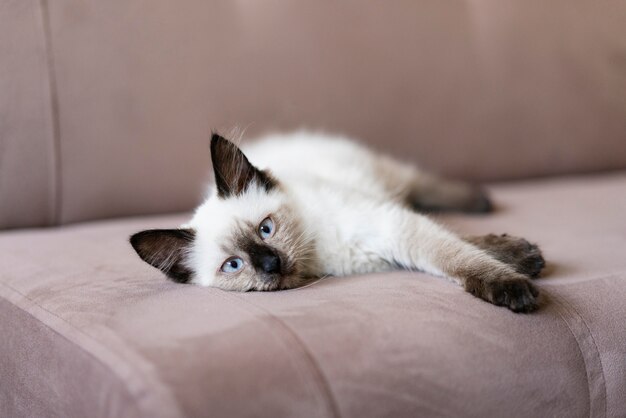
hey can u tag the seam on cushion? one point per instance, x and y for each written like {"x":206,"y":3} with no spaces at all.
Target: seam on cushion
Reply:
{"x":563,"y":303}
{"x":595,"y":345}
{"x":313,"y":366}
{"x":580,"y":350}
{"x":55,"y":216}
{"x":164,"y":409}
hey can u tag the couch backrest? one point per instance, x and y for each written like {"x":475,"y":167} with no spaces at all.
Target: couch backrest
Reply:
{"x":106,"y":106}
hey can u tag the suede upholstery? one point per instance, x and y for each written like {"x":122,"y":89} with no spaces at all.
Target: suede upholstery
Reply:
{"x":484,"y":90}
{"x":90,"y":330}
{"x":105,"y":111}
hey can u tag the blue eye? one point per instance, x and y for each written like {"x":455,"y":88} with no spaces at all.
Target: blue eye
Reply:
{"x":232,"y":265}
{"x":266,"y":229}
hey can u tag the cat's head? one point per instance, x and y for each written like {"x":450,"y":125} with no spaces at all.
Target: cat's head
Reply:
{"x":247,"y":236}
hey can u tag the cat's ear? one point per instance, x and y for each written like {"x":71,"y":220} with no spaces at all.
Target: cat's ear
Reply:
{"x":233,"y":172}
{"x":167,"y":250}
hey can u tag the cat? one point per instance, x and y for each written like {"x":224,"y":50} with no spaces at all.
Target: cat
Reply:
{"x":314,"y":205}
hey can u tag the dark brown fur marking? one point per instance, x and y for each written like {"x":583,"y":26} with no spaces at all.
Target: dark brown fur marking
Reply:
{"x":524,"y":257}
{"x":257,"y":250}
{"x":443,"y":195}
{"x":233,"y":171}
{"x":166,"y":250}
{"x":516,"y":293}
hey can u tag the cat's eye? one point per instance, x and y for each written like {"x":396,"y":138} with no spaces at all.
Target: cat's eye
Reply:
{"x":232,"y":265}
{"x":266,"y":228}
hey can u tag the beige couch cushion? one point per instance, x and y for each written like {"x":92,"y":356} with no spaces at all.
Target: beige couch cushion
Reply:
{"x":28,"y":181}
{"x":480,"y":90}
{"x":88,"y":329}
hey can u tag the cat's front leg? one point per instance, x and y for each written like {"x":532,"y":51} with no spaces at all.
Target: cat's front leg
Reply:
{"x":417,"y":242}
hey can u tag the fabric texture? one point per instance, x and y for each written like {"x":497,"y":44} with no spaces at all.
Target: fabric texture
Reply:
{"x":90,"y":330}
{"x":478,"y":90}
{"x":106,"y":109}
{"x":28,"y":183}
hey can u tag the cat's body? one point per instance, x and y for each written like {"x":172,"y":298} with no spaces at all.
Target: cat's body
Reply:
{"x":338,"y":189}
{"x":346,"y":196}
{"x":305,"y":205}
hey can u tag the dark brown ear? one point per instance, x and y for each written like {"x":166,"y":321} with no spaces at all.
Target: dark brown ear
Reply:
{"x":166,"y":249}
{"x":233,"y":171}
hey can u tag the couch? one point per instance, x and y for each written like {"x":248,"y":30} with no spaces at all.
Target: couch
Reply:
{"x":105,"y":114}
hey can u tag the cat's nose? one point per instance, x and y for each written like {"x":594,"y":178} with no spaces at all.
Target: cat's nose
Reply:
{"x":270,"y":263}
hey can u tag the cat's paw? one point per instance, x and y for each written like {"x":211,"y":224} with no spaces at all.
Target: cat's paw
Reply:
{"x":516,"y":293}
{"x":526,"y":258}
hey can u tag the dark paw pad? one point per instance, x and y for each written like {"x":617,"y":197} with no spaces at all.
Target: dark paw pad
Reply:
{"x":517,"y":294}
{"x":531,"y":262}
{"x":524,"y":257}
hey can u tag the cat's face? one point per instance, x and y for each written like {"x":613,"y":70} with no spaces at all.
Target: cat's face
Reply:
{"x":247,"y":236}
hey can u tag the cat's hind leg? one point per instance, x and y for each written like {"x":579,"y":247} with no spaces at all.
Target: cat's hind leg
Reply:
{"x":430,"y":193}
{"x":426,"y":192}
{"x":524,"y":257}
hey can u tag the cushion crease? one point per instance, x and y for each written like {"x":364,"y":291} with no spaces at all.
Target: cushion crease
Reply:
{"x":313,"y":366}
{"x":139,"y":389}
{"x":590,"y":354}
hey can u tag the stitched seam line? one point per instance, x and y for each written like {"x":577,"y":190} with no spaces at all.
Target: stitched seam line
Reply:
{"x":580,"y":350}
{"x":595,"y":345}
{"x":563,"y":303}
{"x":55,"y":216}
{"x":296,"y":360}
{"x":134,"y":394}
{"x":322,"y":382}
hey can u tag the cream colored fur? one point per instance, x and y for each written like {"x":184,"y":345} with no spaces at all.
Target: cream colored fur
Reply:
{"x":352,"y":205}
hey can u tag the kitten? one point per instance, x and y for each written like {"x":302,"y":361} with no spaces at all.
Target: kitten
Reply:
{"x":314,"y":205}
